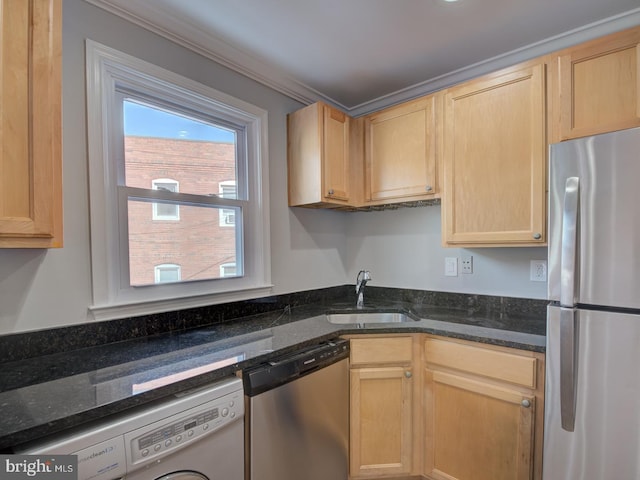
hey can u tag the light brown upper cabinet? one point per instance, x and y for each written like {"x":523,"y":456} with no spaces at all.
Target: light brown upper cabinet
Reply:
{"x":318,"y":157}
{"x":494,"y":159}
{"x":401,"y":152}
{"x":30,"y":134}
{"x":599,"y":86}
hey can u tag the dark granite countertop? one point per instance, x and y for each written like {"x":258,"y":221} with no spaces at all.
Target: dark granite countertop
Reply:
{"x":46,"y":394}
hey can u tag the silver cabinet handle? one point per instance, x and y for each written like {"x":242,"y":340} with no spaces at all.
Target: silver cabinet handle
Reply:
{"x":525,"y":403}
{"x":537,"y":236}
{"x":407,"y":374}
{"x":428,"y":188}
{"x":331,"y":191}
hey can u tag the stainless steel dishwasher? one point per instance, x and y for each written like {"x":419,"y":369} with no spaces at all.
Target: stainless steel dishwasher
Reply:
{"x":298,"y":415}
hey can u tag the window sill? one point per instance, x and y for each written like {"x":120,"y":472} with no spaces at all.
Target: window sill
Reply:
{"x":124,"y":310}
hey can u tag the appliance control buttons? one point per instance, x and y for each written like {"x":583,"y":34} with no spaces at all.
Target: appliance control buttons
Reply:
{"x":177,"y":431}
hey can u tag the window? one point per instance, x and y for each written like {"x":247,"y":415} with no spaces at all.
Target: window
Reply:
{"x":165,"y":211}
{"x":167,"y":273}
{"x":228,"y":270}
{"x":193,"y":156}
{"x":227,"y":189}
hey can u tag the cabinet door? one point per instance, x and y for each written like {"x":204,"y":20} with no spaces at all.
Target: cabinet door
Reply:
{"x":494,"y":160}
{"x":318,"y":157}
{"x":336,"y":154}
{"x":600,"y":85}
{"x":476,"y":430}
{"x":30,"y":95}
{"x":380,"y":421}
{"x":400,"y":151}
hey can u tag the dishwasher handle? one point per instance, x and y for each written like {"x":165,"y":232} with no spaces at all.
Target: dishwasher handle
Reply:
{"x":282,"y":370}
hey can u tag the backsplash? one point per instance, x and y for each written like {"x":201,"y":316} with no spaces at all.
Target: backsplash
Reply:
{"x":474,"y":304}
{"x":43,"y":342}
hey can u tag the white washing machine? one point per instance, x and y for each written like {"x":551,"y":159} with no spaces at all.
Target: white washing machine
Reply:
{"x":198,"y":435}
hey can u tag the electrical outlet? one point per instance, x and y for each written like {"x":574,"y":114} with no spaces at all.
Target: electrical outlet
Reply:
{"x":467,"y":264}
{"x":451,"y":266}
{"x":538,"y":271}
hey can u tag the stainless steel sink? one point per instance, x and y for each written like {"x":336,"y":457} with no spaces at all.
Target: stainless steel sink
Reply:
{"x":370,"y":317}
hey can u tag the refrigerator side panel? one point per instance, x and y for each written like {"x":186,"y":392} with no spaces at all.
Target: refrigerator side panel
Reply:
{"x":605,"y":443}
{"x":608,"y":247}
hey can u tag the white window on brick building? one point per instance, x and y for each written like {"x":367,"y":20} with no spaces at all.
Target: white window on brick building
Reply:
{"x":193,"y":157}
{"x":165,"y":211}
{"x":228,"y":270}
{"x":227,"y":189}
{"x":167,"y":273}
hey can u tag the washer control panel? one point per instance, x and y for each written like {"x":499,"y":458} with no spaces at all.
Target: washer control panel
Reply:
{"x":161,"y":438}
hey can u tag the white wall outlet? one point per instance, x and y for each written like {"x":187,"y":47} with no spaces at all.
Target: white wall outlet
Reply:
{"x":451,"y":266}
{"x":466,"y":264}
{"x":538,"y":271}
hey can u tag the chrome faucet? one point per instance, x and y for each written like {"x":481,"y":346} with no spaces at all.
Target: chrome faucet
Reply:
{"x":361,"y":281}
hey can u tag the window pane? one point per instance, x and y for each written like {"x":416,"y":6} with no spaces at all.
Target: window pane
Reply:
{"x":197,"y":242}
{"x":167,"y":273}
{"x":228,"y":270}
{"x":227,"y":189}
{"x":165,"y":211}
{"x":163,"y":144}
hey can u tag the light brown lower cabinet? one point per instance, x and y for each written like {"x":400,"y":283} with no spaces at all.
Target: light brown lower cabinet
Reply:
{"x":483,"y":412}
{"x":381,"y":406}
{"x":479,"y":431}
{"x":444,"y":409}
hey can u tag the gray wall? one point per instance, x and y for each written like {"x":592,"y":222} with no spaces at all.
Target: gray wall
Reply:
{"x":309,"y":248}
{"x":402,"y":248}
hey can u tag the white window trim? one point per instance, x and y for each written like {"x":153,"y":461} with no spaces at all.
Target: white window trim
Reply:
{"x":105,"y":68}
{"x":154,"y":186}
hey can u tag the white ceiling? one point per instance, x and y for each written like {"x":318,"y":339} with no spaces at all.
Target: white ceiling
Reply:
{"x":363,"y":54}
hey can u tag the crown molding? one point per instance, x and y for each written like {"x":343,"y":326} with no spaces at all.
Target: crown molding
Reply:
{"x":208,"y":45}
{"x":212,"y":47}
{"x":559,"y":42}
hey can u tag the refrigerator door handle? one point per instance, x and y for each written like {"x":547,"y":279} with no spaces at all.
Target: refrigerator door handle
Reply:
{"x":569,"y":242}
{"x":569,"y":331}
{"x":568,"y":316}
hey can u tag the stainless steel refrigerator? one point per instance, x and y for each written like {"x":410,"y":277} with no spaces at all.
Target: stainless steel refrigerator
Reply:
{"x":592,"y":399}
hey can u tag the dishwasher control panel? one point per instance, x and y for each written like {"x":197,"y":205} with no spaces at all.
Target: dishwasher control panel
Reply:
{"x":287,"y":368}
{"x":161,"y":438}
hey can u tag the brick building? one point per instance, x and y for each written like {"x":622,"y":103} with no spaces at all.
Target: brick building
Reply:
{"x":169,"y":242}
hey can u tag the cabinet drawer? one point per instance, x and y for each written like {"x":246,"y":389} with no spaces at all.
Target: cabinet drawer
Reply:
{"x":515,"y":369}
{"x":381,"y":350}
